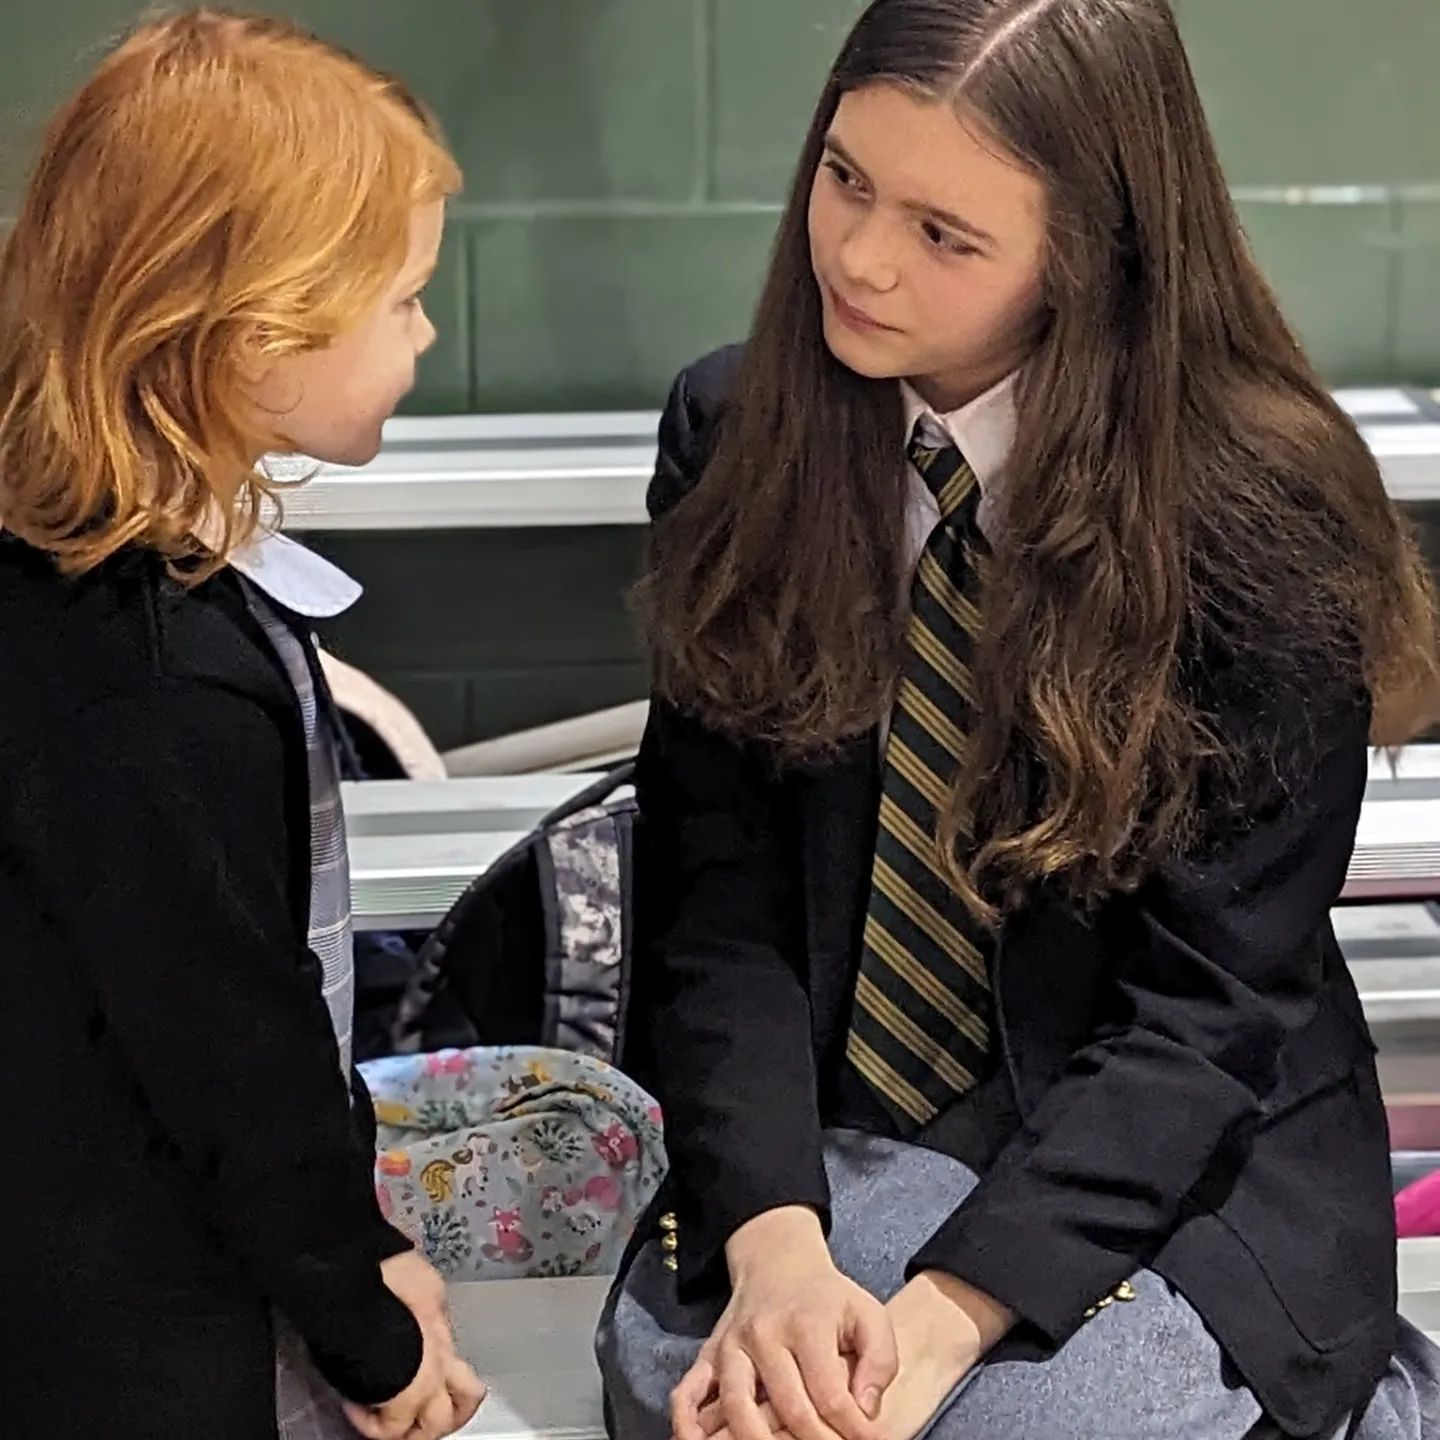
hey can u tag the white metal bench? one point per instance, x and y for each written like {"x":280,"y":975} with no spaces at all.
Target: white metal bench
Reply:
{"x":1420,"y":1284}
{"x":531,"y":1341}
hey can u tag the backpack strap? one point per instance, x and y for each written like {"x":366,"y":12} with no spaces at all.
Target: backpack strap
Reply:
{"x":427,"y":979}
{"x":593,"y":794}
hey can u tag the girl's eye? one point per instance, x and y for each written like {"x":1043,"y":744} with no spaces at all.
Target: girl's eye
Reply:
{"x":843,"y":174}
{"x":944,"y":240}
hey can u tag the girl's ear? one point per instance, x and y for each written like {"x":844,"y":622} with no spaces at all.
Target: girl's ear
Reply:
{"x":253,"y":361}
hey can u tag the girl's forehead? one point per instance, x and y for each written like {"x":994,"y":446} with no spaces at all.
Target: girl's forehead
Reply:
{"x":933,"y":158}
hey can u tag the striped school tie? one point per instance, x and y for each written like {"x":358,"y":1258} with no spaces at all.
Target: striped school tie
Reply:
{"x":920,"y":1032}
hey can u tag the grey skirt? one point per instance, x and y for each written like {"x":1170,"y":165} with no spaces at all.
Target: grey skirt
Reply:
{"x":1146,"y":1369}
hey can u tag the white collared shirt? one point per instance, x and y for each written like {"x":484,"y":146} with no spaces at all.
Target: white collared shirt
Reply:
{"x":984,"y":430}
{"x":303,"y":582}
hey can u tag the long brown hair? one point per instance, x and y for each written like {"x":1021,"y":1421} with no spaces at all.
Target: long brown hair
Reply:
{"x":1183,"y":490}
{"x":219,"y":175}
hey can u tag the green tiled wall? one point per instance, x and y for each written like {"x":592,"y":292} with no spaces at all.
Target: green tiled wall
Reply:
{"x":489,"y":631}
{"x":625,"y":160}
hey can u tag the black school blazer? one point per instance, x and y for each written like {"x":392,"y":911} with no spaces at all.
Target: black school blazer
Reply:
{"x":168,"y":1068}
{"x":1191,"y":1062}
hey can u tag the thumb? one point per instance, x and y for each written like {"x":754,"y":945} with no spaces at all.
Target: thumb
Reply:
{"x":361,"y":1420}
{"x":369,"y":1424}
{"x":872,"y":1338}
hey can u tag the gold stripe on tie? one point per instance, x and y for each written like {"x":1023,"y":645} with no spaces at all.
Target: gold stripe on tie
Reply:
{"x":904,"y":761}
{"x":895,"y":888}
{"x":885,"y":1012}
{"x":943,"y":662}
{"x":952,"y":493}
{"x":920,"y":844}
{"x":939,"y":996}
{"x":887,"y":1081}
{"x":942,"y":590}
{"x":931,"y":718}
{"x":922,"y":457}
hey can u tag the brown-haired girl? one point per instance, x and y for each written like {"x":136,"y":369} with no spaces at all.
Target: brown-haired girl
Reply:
{"x":219,"y":256}
{"x":1021,"y":606}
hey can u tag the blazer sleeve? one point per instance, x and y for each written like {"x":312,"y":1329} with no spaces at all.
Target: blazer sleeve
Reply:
{"x":721,"y":1009}
{"x":1221,"y":965}
{"x":153,"y":834}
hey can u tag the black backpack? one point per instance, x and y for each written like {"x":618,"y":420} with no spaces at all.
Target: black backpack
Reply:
{"x":537,"y":949}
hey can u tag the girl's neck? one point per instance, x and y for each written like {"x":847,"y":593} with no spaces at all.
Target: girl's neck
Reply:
{"x":949,"y":392}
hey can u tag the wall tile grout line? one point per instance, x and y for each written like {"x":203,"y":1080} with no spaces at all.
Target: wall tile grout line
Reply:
{"x":617,"y":207}
{"x":465,"y":320}
{"x":706,"y":92}
{"x":1396,"y":282}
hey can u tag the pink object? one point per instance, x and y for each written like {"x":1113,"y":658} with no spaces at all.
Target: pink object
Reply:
{"x":508,"y":1237}
{"x":617,"y":1147}
{"x":1417,"y":1208}
{"x":601,"y":1190}
{"x":448,"y":1062}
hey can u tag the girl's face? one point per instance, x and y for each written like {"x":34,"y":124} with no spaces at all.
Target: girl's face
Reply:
{"x":330,"y":404}
{"x":928,"y":245}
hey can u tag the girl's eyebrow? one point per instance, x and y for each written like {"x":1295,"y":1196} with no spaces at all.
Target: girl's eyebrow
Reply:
{"x":919,"y":207}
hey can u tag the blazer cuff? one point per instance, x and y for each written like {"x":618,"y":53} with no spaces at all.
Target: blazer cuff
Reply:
{"x":704,"y":1227}
{"x":1052,"y":1281}
{"x":361,"y":1335}
{"x":374,"y":1355}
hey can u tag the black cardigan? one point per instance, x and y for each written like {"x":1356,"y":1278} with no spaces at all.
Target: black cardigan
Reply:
{"x":1195,"y":1083}
{"x":169,"y":1075}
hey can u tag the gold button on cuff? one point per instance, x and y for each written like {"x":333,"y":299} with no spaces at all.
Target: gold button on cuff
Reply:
{"x":1124,"y":1292}
{"x":669,"y":1240}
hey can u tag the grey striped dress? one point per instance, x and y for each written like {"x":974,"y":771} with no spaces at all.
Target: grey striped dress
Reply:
{"x":306,"y":1407}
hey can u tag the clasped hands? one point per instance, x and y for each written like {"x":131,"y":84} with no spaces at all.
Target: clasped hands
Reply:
{"x":804,"y":1353}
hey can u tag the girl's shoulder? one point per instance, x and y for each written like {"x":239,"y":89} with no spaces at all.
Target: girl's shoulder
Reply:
{"x":124,"y":629}
{"x":687,"y":425}
{"x":707,"y":382}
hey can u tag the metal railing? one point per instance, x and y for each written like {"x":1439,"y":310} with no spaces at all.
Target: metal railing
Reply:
{"x":509,"y":471}
{"x":416,"y":844}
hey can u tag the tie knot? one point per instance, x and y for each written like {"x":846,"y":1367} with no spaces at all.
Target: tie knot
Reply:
{"x":941,"y":465}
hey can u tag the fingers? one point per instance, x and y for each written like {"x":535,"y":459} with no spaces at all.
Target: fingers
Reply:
{"x":693,"y":1391}
{"x":436,"y":1418}
{"x":723,"y":1431}
{"x":712,"y":1418}
{"x":825,"y":1376}
{"x":467,"y":1391}
{"x":388,"y":1424}
{"x":872,"y":1338}
{"x":736,"y":1375}
{"x":365,"y":1422}
{"x":791,"y":1393}
{"x":391,"y":1423}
